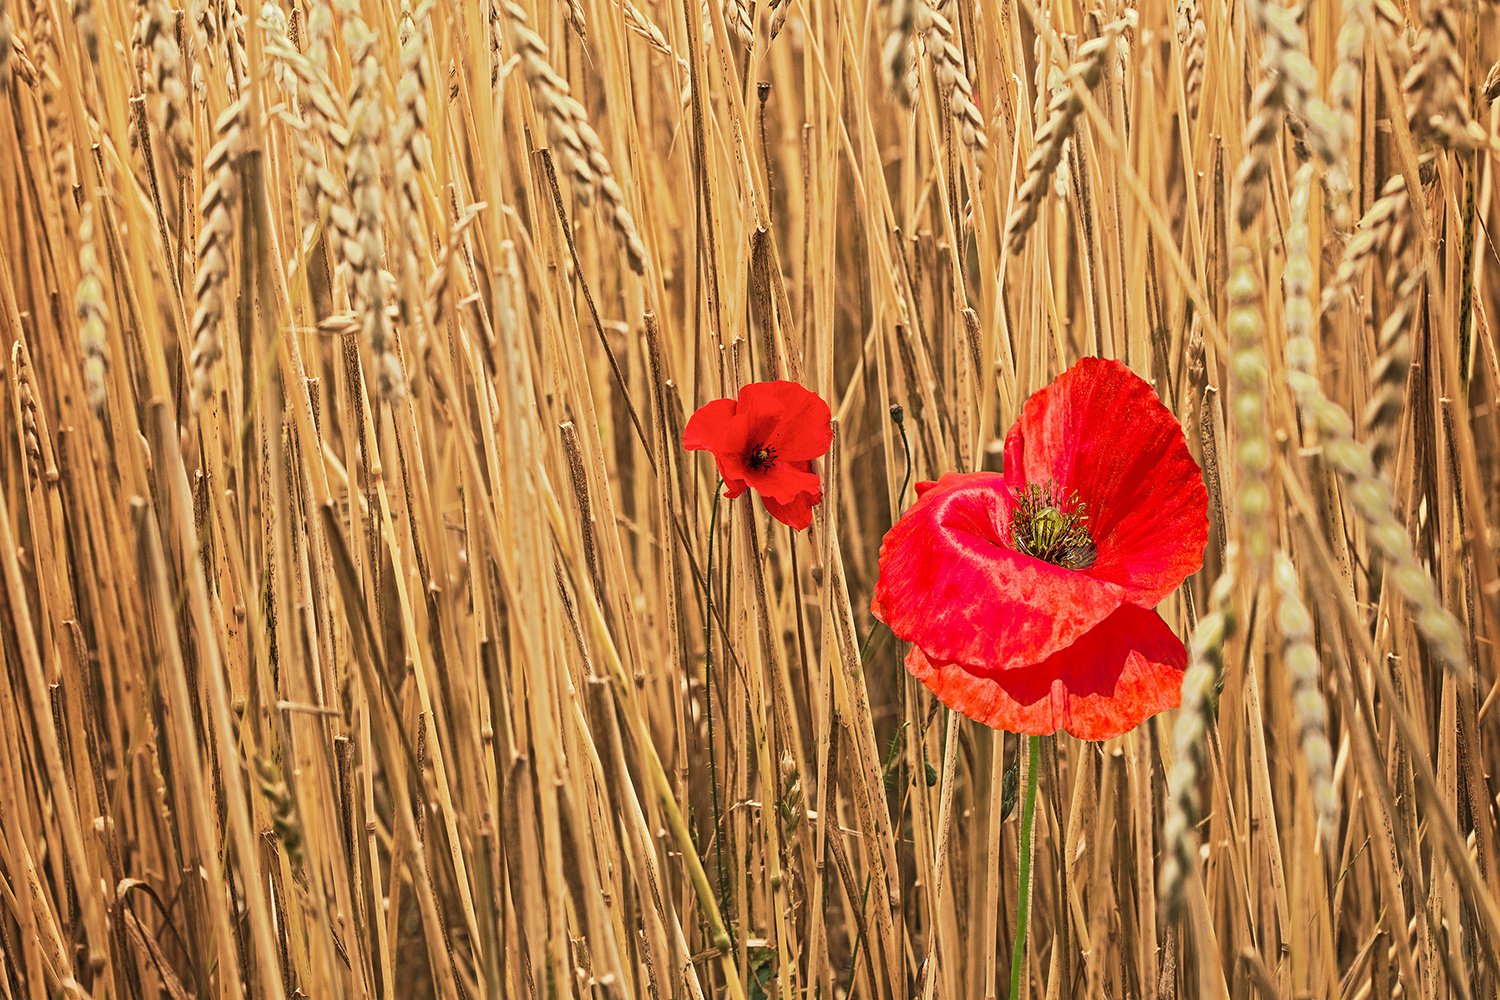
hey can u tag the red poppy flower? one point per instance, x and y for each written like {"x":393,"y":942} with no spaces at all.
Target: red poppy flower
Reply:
{"x":1028,"y":595}
{"x":767,"y":439}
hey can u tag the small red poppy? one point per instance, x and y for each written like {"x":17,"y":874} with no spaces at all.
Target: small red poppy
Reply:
{"x":767,"y":439}
{"x":1027,"y":595}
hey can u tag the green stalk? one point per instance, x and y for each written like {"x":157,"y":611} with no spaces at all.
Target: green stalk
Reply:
{"x":708,"y":698}
{"x":1023,"y":904}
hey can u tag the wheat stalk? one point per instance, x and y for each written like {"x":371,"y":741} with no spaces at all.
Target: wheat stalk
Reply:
{"x":1195,"y":718}
{"x":1247,"y":369}
{"x":737,"y":17}
{"x":31,"y":444}
{"x":1369,"y":495}
{"x":1343,"y":90}
{"x":54,"y":116}
{"x":1383,"y":229}
{"x":320,"y":136}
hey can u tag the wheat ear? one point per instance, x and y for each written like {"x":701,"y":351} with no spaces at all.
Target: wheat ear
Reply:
{"x":574,"y":141}
{"x":1293,"y":621}
{"x":364,"y":246}
{"x":1368,"y":494}
{"x":1062,"y":112}
{"x":92,"y":314}
{"x":953,"y":78}
{"x":1436,"y":105}
{"x":1195,"y":717}
{"x":1193,"y":37}
{"x":220,"y":197}
{"x":156,"y":35}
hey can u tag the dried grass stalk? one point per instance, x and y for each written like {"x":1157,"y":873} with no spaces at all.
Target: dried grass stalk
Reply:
{"x":1195,"y":718}
{"x":1247,"y":370}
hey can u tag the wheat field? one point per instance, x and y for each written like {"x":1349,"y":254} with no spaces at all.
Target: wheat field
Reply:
{"x":368,"y":633}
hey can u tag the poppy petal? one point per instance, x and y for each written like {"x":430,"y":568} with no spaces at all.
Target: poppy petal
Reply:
{"x":1099,"y":429}
{"x":801,"y":428}
{"x":709,"y":426}
{"x":798,"y":513}
{"x":950,"y":583}
{"x":1115,"y":676}
{"x":782,"y":481}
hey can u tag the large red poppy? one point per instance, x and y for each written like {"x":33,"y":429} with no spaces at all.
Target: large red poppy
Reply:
{"x":766,"y":439}
{"x":1027,"y":595}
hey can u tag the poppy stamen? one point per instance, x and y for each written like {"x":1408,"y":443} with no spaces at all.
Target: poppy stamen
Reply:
{"x":1047,"y":526}
{"x":761,"y":458}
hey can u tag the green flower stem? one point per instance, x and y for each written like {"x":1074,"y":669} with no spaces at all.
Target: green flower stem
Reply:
{"x":1023,"y":904}
{"x":708,"y":697}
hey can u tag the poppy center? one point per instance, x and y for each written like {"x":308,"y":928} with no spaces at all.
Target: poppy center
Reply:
{"x":761,"y":458}
{"x":1049,"y":526}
